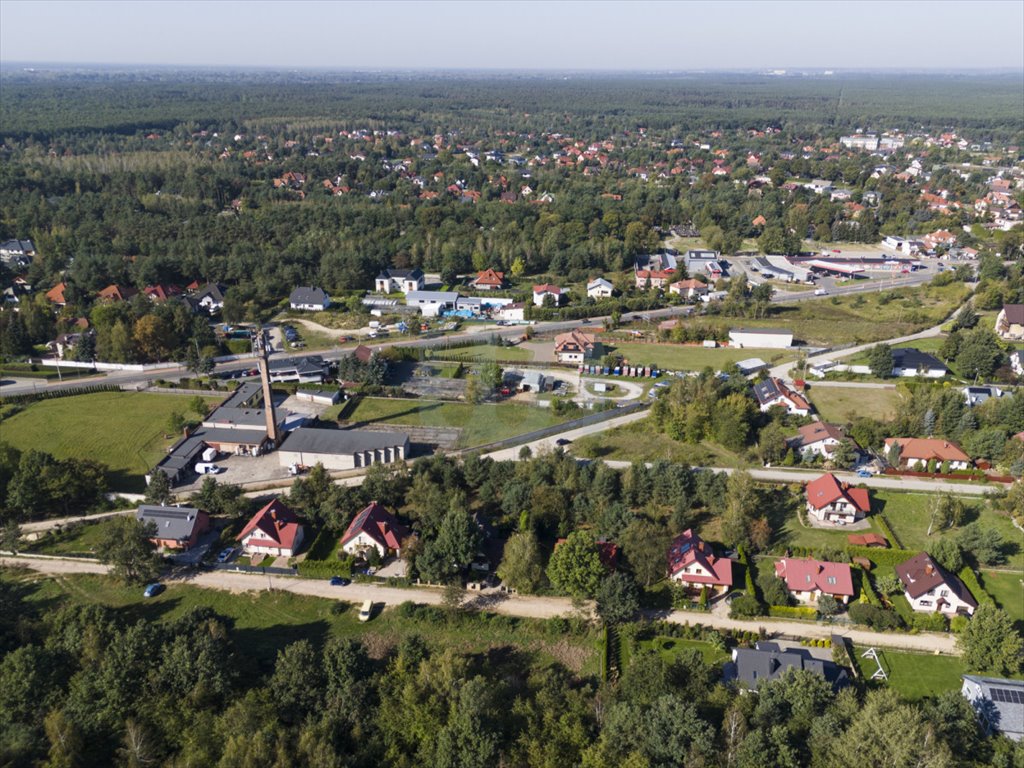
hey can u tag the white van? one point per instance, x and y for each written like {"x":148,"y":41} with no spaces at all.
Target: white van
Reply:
{"x":366,"y":611}
{"x":206,"y":468}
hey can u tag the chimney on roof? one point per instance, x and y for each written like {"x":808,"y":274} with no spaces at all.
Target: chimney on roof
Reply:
{"x":929,"y":569}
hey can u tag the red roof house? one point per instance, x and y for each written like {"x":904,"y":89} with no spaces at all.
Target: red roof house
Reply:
{"x":274,"y":530}
{"x":115,"y":292}
{"x":831,"y":501}
{"x":489,"y":280}
{"x":374,"y":527}
{"x":56,"y":294}
{"x":692,"y":564}
{"x":915,"y":452}
{"x":807,"y":579}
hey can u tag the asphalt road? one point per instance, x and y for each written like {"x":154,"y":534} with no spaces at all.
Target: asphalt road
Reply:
{"x":492,"y":600}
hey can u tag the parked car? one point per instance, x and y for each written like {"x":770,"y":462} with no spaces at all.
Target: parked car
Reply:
{"x":366,"y":611}
{"x":863,"y":473}
{"x":340,"y":581}
{"x":226,"y":555}
{"x":153,"y":590}
{"x":563,"y":441}
{"x":821,"y":292}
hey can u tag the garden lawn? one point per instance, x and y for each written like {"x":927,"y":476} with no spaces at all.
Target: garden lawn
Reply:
{"x":635,"y":442}
{"x":915,"y":676}
{"x":843,"y":404}
{"x":82,"y":539}
{"x":680,"y":357}
{"x":480,"y":424}
{"x":931,"y":345}
{"x":908,"y":515}
{"x":793,"y":533}
{"x":124,"y":430}
{"x":1007,"y":590}
{"x":670,"y":647}
{"x":485,"y":352}
{"x":266,"y":622}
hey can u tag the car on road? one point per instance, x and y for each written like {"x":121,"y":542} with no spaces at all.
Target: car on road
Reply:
{"x":586,"y":321}
{"x":340,"y":581}
{"x":153,"y":590}
{"x":226,"y":555}
{"x":863,"y":473}
{"x":563,"y":441}
{"x":820,"y":292}
{"x":366,"y":611}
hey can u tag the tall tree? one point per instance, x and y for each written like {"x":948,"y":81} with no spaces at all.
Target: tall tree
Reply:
{"x":521,"y":566}
{"x":126,"y":547}
{"x":990,"y":643}
{"x":575,"y":567}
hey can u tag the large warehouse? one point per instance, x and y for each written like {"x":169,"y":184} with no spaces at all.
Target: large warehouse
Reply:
{"x":343,"y":448}
{"x":761,"y":338}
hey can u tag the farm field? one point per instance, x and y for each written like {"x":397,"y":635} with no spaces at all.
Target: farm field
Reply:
{"x":679,"y":357}
{"x":914,"y":675}
{"x":634,"y":442}
{"x":842,"y":404}
{"x":266,"y":622}
{"x":124,"y":430}
{"x":486,"y":352}
{"x":480,"y":424}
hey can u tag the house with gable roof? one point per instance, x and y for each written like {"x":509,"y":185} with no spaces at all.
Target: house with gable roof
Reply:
{"x":175,"y":527}
{"x":831,"y":501}
{"x":599,"y":288}
{"x":541,"y":292}
{"x":929,"y":588}
{"x":489,"y":280}
{"x":808,"y":579}
{"x":692,"y":563}
{"x":404,"y":280}
{"x":374,"y":527}
{"x":274,"y":530}
{"x":772,"y":392}
{"x":819,"y":438}
{"x":916,"y":452}
{"x":576,"y":346}
{"x":309,"y":298}
{"x":1010,"y":322}
{"x":998,"y":702}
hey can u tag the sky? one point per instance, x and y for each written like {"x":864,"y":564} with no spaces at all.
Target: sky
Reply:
{"x":588,"y":35}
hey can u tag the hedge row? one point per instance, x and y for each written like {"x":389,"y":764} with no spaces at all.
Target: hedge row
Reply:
{"x":321,"y":569}
{"x":50,"y":394}
{"x":867,"y":589}
{"x":821,"y":642}
{"x":883,"y":524}
{"x":748,"y":574}
{"x":881,"y":556}
{"x":792,"y":612}
{"x":968,"y":577}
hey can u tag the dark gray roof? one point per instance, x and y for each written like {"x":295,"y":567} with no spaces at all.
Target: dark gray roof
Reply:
{"x":341,"y":441}
{"x":175,"y":523}
{"x":766,"y":390}
{"x":999,"y":702}
{"x":751,"y":666}
{"x":182,"y":454}
{"x":306,"y":295}
{"x":307,"y":364}
{"x":214,"y":290}
{"x":400,"y":274}
{"x":245,"y":392}
{"x":227,"y":435}
{"x":18,"y":246}
{"x":915,"y":359}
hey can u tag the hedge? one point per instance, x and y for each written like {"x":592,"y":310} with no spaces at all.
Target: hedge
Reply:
{"x":51,"y":394}
{"x":792,"y":612}
{"x":881,"y":556}
{"x":968,"y":577}
{"x":867,"y":589}
{"x":321,"y":569}
{"x":883,"y":525}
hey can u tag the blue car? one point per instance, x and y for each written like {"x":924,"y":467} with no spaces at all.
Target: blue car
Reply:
{"x":153,"y":590}
{"x":863,"y":473}
{"x":339,"y":581}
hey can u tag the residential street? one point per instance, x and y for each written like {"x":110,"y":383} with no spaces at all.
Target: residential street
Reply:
{"x":512,"y":605}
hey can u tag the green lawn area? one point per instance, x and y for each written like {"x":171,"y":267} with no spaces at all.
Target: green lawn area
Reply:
{"x":1007,"y":590}
{"x":124,"y":430}
{"x":484,"y":352}
{"x":634,"y":442}
{"x":265,"y":622}
{"x":841,"y":404}
{"x":480,"y":424}
{"x":914,"y":675}
{"x":679,"y":357}
{"x":931,"y":345}
{"x":908,"y":515}
{"x":670,"y":647}
{"x":80,"y":539}
{"x":796,"y":534}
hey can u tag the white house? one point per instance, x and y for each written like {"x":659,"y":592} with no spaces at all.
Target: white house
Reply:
{"x":978,"y":395}
{"x":211,"y":297}
{"x":1010,"y":322}
{"x":599,"y":288}
{"x":764,"y":338}
{"x":819,"y":186}
{"x":404,"y":280}
{"x":689,"y":289}
{"x":374,"y":528}
{"x":432,"y":303}
{"x":916,"y":452}
{"x":998,"y":702}
{"x":274,"y":530}
{"x":541,"y":292}
{"x":819,"y":438}
{"x":1017,"y":363}
{"x":930,"y":589}
{"x":575,"y":346}
{"x":309,"y":299}
{"x":830,"y":501}
{"x":692,"y":563}
{"x":773,"y":392}
{"x":808,"y":579}
{"x":909,"y":362}
{"x":512,"y":313}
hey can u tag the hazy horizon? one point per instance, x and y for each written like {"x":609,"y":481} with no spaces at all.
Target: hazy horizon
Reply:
{"x":602,"y":37}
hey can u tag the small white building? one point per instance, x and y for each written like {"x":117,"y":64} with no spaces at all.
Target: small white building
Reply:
{"x":309,"y":299}
{"x":432,"y":303}
{"x":541,"y":292}
{"x":762,"y":338}
{"x":374,"y":528}
{"x":512,"y":313}
{"x":394,"y":280}
{"x":599,"y":288}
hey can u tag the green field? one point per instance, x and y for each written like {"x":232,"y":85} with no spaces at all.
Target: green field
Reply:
{"x":843,"y":404}
{"x":265,"y":622}
{"x":914,"y":675}
{"x":795,"y":534}
{"x":80,"y":539}
{"x":931,"y":345}
{"x":908,"y":515}
{"x":1007,"y":589}
{"x":480,"y":424}
{"x":670,"y":647}
{"x":124,"y":430}
{"x":634,"y":442}
{"x":486,"y":352}
{"x":679,"y":357}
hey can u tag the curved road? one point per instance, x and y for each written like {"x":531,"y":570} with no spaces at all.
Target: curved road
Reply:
{"x":499,"y":602}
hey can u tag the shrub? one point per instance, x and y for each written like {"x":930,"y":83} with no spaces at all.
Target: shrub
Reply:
{"x":929,"y":622}
{"x":745,"y":607}
{"x":791,"y":612}
{"x":874,"y":617}
{"x":968,"y":577}
{"x":881,"y":557}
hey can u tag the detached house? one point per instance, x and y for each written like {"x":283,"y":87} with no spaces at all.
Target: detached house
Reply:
{"x":374,"y":528}
{"x":541,"y":292}
{"x":309,"y":299}
{"x":808,"y":579}
{"x":915,"y":452}
{"x":115,"y":292}
{"x":767,"y":661}
{"x":575,"y":347}
{"x":176,"y":527}
{"x":692,"y":564}
{"x":274,"y":530}
{"x":909,"y":362}
{"x":831,"y":501}
{"x":999,"y":704}
{"x":404,"y":280}
{"x":1010,"y":322}
{"x":929,"y":588}
{"x":819,"y":438}
{"x":689,"y":289}
{"x":489,"y":280}
{"x":211,"y":297}
{"x":772,"y":392}
{"x":599,"y":288}
{"x":56,"y":294}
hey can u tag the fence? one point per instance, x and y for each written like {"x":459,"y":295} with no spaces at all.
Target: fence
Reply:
{"x":269,"y":570}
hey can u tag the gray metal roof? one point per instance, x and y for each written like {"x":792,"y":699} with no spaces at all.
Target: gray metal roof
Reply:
{"x":999,"y":702}
{"x":307,"y":295}
{"x":908,"y":357}
{"x":434,"y":296}
{"x":767,"y":661}
{"x":175,"y":523}
{"x":341,"y":441}
{"x":245,"y":392}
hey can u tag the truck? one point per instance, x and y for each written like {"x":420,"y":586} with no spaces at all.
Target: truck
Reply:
{"x":209,"y":454}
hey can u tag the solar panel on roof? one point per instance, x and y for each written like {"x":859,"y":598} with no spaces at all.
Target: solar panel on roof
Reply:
{"x":1007,"y":695}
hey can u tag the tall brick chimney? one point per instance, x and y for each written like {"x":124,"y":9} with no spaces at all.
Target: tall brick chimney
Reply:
{"x":261,"y":348}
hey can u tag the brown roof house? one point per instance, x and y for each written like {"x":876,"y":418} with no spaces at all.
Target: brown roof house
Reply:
{"x":930,"y":588}
{"x":1010,"y":322}
{"x":576,"y":346}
